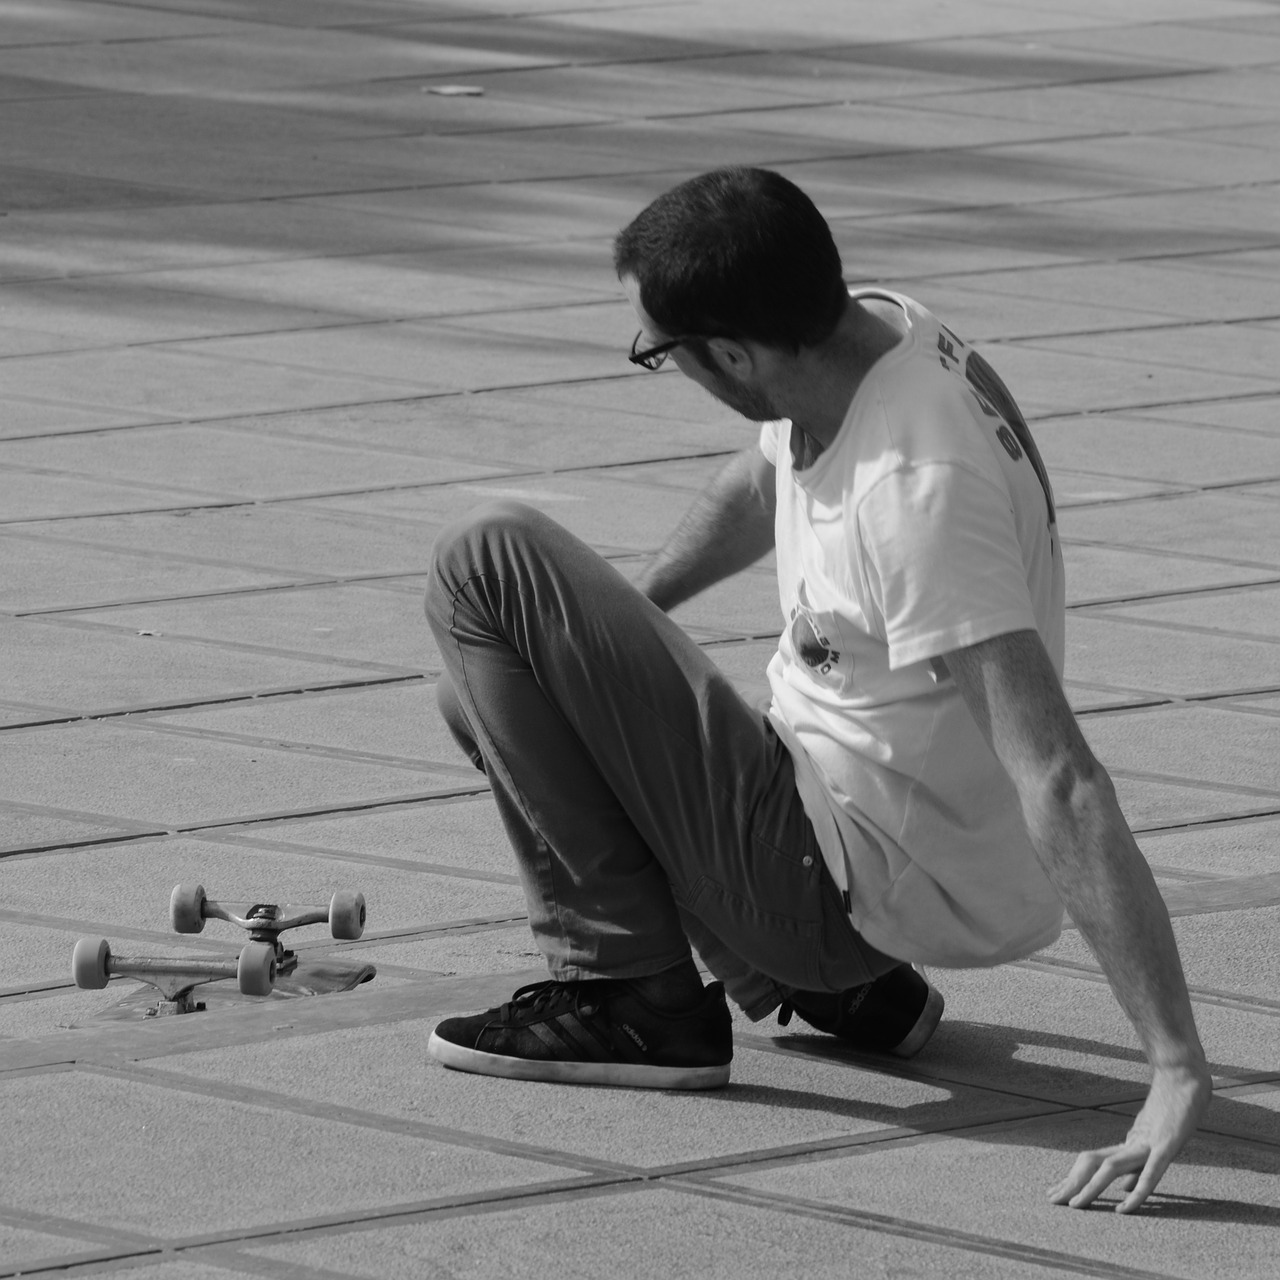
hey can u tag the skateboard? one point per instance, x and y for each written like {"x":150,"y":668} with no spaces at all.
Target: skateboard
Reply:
{"x":262,"y":960}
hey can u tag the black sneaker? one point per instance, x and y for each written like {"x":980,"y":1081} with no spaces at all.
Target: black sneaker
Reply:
{"x":594,"y":1032}
{"x":897,"y":1013}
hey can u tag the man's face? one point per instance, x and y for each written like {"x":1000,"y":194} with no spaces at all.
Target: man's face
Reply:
{"x":740,"y":396}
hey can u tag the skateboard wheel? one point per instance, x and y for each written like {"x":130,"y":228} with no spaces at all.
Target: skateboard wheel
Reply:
{"x":256,"y":972}
{"x":89,"y":963}
{"x":186,"y":908}
{"x":346,"y":915}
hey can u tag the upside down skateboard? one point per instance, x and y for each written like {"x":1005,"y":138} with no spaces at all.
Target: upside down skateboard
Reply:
{"x":261,"y":961}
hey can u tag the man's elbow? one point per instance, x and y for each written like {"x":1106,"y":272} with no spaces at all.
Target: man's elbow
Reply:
{"x":1073,"y":790}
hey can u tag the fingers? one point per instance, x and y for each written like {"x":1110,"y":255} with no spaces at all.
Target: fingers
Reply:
{"x":1141,"y":1187}
{"x":1094,"y":1171}
{"x":1083,"y":1174}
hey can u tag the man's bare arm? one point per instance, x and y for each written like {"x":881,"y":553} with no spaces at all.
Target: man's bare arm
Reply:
{"x":1093,"y":862}
{"x":729,"y":527}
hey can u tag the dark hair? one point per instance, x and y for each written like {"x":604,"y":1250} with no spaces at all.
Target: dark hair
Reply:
{"x":738,"y":253}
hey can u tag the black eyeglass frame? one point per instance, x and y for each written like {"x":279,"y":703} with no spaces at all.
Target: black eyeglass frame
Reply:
{"x":654,"y":357}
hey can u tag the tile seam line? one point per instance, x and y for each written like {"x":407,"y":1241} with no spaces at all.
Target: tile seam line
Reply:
{"x":1220,"y":821}
{"x":369,"y":1219}
{"x":1173,"y":596}
{"x":183,"y":642}
{"x":1267,"y":242}
{"x":497,"y":1201}
{"x":294,"y":410}
{"x":987,"y":1246}
{"x":318,"y":498}
{"x":458,"y":319}
{"x":288,"y":815}
{"x":268,"y":695}
{"x":1158,"y":551}
{"x":1076,"y":969}
{"x":781,"y":163}
{"x":1182,"y":629}
{"x":1207,"y":785}
{"x":156,"y":833}
{"x":423,"y":1130}
{"x":267,"y":1098}
{"x":1171,"y":494}
{"x":465,"y":393}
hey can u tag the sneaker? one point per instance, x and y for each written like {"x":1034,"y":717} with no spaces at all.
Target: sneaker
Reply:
{"x":897,"y":1013}
{"x":593,"y":1032}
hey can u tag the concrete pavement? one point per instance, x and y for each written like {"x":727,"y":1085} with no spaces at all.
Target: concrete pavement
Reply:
{"x":277,"y":300}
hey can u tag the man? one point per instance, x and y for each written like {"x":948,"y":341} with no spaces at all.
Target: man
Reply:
{"x":919,"y":791}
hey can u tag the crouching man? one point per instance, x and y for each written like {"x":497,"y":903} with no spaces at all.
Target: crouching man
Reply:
{"x":919,"y":792}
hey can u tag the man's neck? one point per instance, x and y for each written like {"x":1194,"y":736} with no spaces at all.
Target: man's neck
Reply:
{"x":821,"y":384}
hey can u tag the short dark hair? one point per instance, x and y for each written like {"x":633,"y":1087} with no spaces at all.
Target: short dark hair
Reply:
{"x":736,"y":253}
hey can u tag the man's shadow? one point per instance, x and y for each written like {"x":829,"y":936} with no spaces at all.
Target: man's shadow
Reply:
{"x":965,"y":1056}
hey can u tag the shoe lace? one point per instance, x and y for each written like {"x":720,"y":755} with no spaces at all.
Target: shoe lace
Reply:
{"x":540,"y":997}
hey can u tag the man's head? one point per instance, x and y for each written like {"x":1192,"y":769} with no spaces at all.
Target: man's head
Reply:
{"x":736,"y":253}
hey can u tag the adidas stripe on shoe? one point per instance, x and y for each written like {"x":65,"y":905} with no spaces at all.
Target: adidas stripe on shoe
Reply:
{"x":593,"y":1032}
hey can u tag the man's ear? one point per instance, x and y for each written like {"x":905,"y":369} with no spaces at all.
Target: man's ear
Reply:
{"x":731,"y":356}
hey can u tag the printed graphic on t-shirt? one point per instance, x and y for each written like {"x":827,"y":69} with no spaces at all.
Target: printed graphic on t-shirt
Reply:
{"x":809,"y":641}
{"x":993,"y":396}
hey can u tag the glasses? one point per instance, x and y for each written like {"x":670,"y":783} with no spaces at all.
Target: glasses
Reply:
{"x":653,"y":357}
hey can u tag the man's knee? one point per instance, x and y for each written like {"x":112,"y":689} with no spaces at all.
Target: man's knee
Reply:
{"x":478,"y":542}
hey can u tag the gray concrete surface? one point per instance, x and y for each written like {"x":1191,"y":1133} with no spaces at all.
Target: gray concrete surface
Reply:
{"x":272,"y":310}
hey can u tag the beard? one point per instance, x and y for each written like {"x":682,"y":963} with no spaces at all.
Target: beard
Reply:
{"x":752,"y":404}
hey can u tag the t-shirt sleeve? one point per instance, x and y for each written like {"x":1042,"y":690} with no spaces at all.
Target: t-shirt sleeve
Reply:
{"x":769,"y":432}
{"x":943,"y":560}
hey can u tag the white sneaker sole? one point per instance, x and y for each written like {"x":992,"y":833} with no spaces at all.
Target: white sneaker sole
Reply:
{"x":627,"y":1075}
{"x":926,"y":1025}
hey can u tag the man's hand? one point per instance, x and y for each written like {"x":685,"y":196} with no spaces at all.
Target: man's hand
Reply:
{"x":1174,"y":1107}
{"x":1089,"y":855}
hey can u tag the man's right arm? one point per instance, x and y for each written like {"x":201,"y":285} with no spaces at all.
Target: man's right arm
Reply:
{"x":729,"y":527}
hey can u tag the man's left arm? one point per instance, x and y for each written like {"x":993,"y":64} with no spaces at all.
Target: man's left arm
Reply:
{"x":1092,"y":860}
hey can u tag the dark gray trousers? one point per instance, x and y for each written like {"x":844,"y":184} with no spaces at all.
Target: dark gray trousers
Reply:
{"x":648,"y":805}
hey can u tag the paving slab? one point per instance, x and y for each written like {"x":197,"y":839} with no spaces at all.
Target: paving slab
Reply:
{"x":215,"y":464}
{"x":1232,"y":849}
{"x":397,"y":723}
{"x":1219,"y":1202}
{"x":1096,"y":572}
{"x":1120,"y":446}
{"x":1224,"y":951}
{"x":327,"y":622}
{"x":44,"y":574}
{"x":174,"y":383}
{"x":1168,"y":660}
{"x":129,"y":672}
{"x":1201,"y":743}
{"x":774,"y":1101}
{"x":1242,"y":613}
{"x":123,"y":1123}
{"x":169,"y":780}
{"x":1233,"y":526}
{"x":637,"y":1233}
{"x":293,"y":539}
{"x":462,"y":833}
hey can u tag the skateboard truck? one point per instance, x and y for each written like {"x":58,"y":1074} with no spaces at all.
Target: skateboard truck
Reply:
{"x":92,"y":965}
{"x":190,"y":907}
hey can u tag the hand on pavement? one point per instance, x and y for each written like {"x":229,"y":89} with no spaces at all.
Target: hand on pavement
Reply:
{"x":1175,"y":1105}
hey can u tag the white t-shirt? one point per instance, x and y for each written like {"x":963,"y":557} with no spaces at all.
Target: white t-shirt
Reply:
{"x":926,"y":526}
